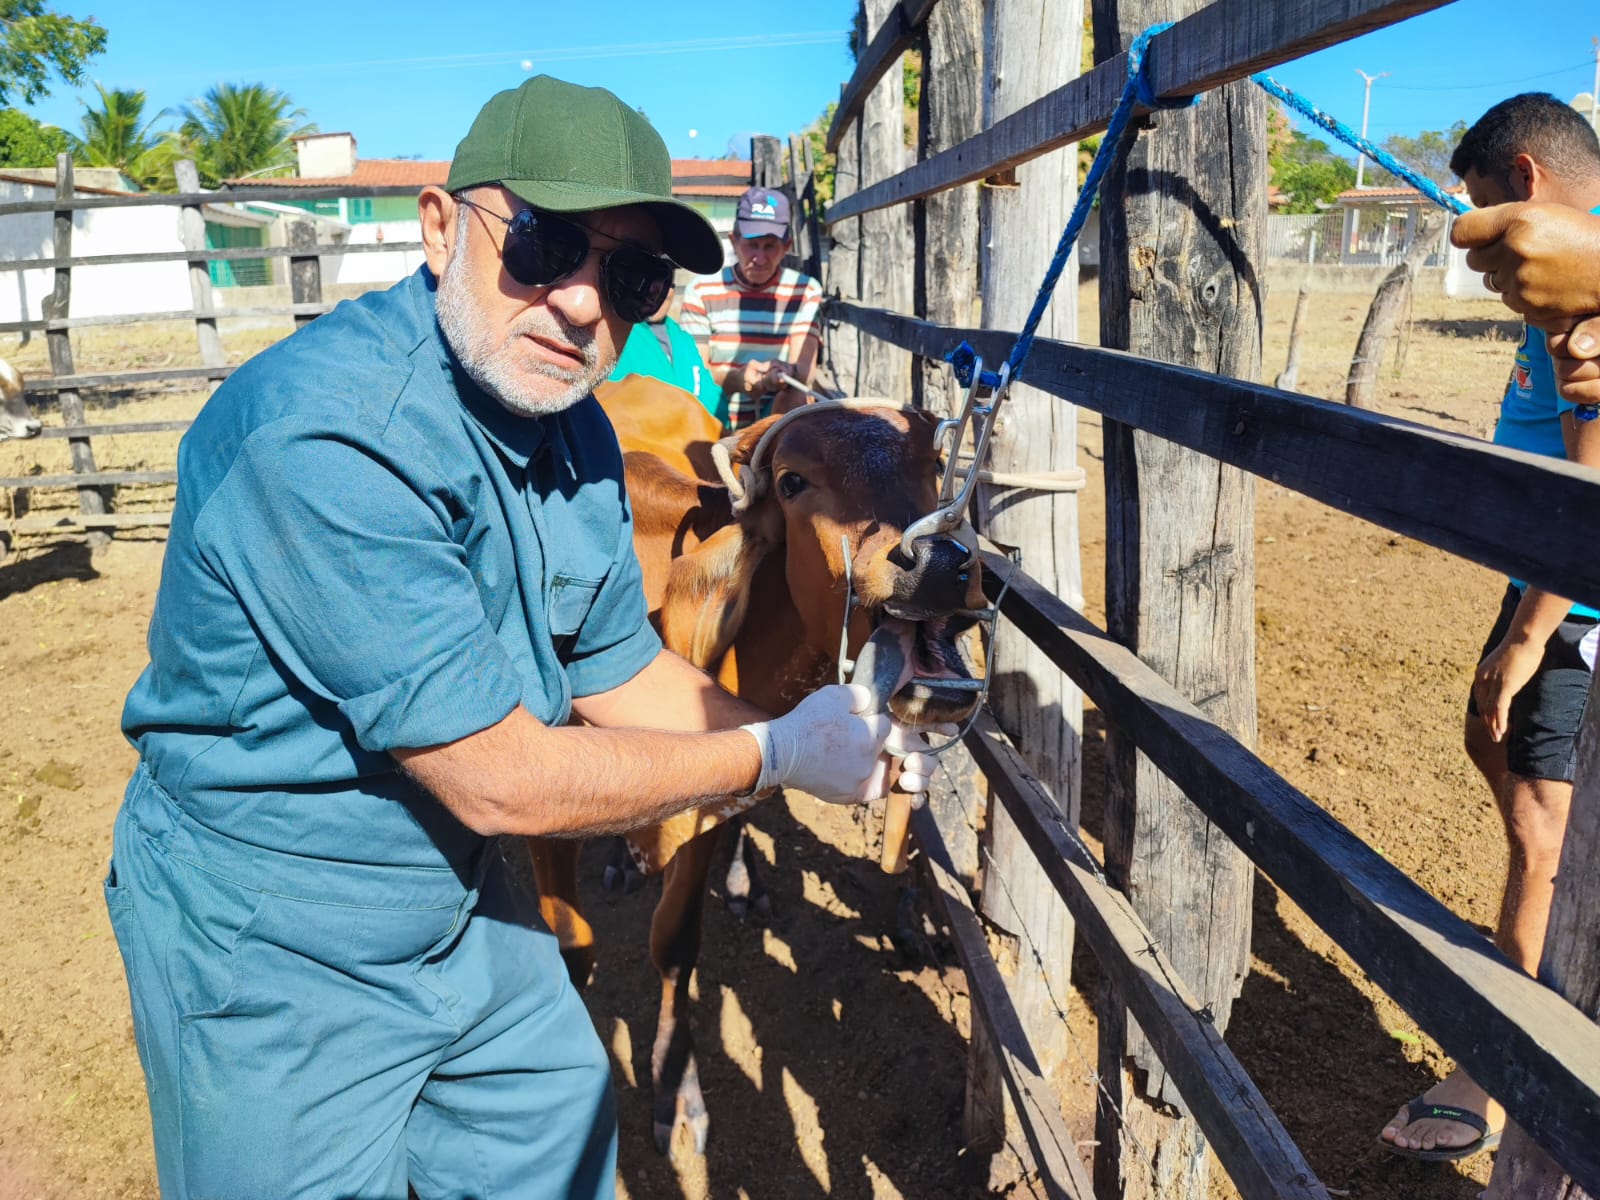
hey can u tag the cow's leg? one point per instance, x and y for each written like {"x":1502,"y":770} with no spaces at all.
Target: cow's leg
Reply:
{"x":622,"y":874}
{"x":675,"y":948}
{"x":555,"y":872}
{"x":744,"y":888}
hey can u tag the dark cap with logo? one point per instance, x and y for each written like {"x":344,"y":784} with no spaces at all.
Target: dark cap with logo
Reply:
{"x":762,"y":212}
{"x":566,"y":149}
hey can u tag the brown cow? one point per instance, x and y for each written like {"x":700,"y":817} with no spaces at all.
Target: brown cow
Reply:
{"x":754,"y":591}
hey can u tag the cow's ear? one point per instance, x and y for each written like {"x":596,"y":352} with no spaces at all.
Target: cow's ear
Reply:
{"x":708,"y":593}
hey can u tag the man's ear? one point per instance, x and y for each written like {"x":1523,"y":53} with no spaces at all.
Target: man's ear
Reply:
{"x":1527,"y":178}
{"x":436,"y":210}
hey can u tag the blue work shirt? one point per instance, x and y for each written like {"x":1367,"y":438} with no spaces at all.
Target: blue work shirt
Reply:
{"x":367,"y":552}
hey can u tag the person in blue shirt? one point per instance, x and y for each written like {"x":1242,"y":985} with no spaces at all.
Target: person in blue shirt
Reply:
{"x":1529,"y":690}
{"x":400,"y":560}
{"x":660,"y":348}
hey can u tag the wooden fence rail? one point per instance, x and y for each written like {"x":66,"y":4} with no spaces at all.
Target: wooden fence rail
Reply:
{"x":1226,"y":41}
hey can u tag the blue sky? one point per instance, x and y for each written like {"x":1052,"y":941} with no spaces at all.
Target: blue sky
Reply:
{"x":406,"y":76}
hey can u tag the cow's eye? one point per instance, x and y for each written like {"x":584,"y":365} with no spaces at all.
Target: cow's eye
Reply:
{"x":790,"y":485}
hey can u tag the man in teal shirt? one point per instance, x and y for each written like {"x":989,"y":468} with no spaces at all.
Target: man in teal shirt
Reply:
{"x":662,"y":350}
{"x":399,"y":561}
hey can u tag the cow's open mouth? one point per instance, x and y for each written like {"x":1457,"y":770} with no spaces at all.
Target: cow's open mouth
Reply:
{"x":936,"y":683}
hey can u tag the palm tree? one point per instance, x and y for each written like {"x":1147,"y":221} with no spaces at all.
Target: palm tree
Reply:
{"x":241,"y":129}
{"x":113,"y":136}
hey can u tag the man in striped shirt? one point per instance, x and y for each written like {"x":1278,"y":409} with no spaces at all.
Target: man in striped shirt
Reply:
{"x":756,"y":321}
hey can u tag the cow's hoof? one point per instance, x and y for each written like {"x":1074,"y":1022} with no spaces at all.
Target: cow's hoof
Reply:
{"x":663,"y":1136}
{"x":738,"y":906}
{"x":699,"y":1128}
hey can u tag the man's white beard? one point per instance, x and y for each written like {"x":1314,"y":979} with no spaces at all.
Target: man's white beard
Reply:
{"x":502,"y":370}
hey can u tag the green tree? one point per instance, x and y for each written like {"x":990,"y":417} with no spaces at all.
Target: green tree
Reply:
{"x":34,"y":41}
{"x":236,"y":130}
{"x":1427,"y":154}
{"x":26,"y":143}
{"x":1305,"y":169}
{"x":115,"y":134}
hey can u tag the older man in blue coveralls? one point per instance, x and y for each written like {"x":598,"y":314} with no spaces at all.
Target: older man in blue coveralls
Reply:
{"x":400,"y":561}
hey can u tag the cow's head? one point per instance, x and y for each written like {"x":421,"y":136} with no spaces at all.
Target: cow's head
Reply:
{"x":15,"y":419}
{"x":835,"y":489}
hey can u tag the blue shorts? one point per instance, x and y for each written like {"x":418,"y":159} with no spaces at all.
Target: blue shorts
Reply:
{"x":1542,"y":742}
{"x":318,"y":1029}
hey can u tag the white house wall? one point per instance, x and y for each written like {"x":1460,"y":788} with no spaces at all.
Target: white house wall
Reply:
{"x":377,"y":266}
{"x":96,"y":291}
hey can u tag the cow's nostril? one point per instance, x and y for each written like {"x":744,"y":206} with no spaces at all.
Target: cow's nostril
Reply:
{"x":899,"y":560}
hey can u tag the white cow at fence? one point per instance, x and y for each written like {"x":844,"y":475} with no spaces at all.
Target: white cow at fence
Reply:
{"x":15,"y":419}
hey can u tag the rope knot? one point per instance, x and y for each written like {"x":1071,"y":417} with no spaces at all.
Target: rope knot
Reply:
{"x":1139,"y":72}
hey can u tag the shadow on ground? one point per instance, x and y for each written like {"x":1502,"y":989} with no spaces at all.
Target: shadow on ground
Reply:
{"x":819,"y":1053}
{"x":63,"y":560}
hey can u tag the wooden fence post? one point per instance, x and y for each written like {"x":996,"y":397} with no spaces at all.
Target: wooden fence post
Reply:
{"x":57,"y":306}
{"x":844,"y":342}
{"x":884,"y":262}
{"x":192,"y":229}
{"x":1289,"y":378}
{"x":305,"y":269}
{"x":1032,"y":47}
{"x":1183,"y":217}
{"x":1570,"y":964}
{"x":799,"y":181}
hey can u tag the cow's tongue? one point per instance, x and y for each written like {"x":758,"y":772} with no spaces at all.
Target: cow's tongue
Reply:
{"x":929,"y":655}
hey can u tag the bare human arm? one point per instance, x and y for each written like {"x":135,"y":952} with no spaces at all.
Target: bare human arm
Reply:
{"x":647,"y":755}
{"x":1544,"y":260}
{"x":1507,"y":668}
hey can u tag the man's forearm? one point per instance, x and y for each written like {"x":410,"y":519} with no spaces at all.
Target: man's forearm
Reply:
{"x":521,"y":776}
{"x":634,"y":763}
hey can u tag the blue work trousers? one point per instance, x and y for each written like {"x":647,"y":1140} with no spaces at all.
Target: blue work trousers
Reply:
{"x":341,"y":1030}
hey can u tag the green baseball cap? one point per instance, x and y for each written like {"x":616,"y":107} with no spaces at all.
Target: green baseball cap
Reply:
{"x":566,"y":148}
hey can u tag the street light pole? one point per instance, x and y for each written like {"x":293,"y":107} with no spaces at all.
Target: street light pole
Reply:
{"x":1366,"y":108}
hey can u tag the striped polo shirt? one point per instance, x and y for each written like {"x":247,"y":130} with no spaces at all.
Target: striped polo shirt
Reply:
{"x":734,"y":322}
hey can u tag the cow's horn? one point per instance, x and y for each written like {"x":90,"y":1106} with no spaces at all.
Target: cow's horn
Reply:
{"x":739,"y":478}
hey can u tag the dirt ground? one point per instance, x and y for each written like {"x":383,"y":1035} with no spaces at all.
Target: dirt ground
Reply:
{"x":831,"y":1066}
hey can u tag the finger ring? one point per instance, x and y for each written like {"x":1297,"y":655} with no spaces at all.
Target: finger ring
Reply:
{"x":1488,"y":282}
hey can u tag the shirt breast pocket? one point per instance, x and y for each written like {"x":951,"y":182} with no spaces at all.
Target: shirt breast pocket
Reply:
{"x":571,"y":598}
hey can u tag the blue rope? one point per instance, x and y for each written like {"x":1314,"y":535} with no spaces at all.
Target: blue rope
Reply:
{"x":1139,"y":90}
{"x":1351,"y":138}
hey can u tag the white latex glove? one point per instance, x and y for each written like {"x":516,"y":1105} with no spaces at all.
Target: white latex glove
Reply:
{"x":827,"y":745}
{"x":916,"y":764}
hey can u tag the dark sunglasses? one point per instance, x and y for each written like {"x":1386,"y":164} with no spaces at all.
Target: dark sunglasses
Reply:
{"x":541,"y":248}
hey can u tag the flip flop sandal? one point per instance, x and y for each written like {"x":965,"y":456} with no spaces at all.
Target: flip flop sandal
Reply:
{"x":1422,"y":1110}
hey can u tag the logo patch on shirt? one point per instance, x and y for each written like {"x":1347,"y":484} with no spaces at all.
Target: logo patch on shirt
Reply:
{"x":1522,"y":376}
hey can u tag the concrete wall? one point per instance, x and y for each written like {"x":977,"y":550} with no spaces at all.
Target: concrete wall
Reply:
{"x":1456,"y":283}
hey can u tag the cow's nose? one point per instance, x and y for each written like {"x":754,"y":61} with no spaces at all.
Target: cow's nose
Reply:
{"x":935,"y":581}
{"x":31,"y":428}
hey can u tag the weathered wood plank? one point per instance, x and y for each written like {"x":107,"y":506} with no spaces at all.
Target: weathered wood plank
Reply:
{"x":233,"y":254}
{"x":1182,"y":246}
{"x":1225,"y":41}
{"x":83,"y":522}
{"x":842,"y":344}
{"x":227,"y":196}
{"x":184,"y":314}
{"x":1039,"y":1114}
{"x":305,"y":270}
{"x":1028,"y":46}
{"x":892,"y":39}
{"x":1395,"y":473}
{"x":1261,"y":1159}
{"x":59,"y":343}
{"x":1530,"y":1048}
{"x":885,"y":251}
{"x":88,"y":431}
{"x":87,"y":479}
{"x":1570,"y":964}
{"x":945,"y":228}
{"x":192,"y":231}
{"x":44,"y":385}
